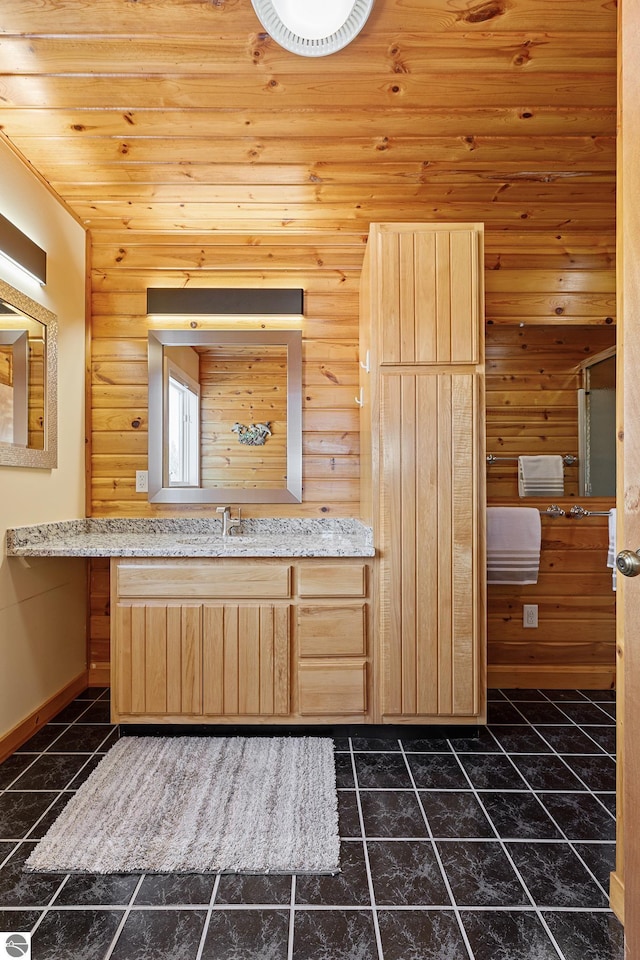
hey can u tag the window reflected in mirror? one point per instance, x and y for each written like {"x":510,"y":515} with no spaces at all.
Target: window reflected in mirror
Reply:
{"x":182,"y":421}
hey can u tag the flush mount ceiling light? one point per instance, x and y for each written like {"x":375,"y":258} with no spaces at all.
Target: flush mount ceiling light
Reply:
{"x":313,"y":28}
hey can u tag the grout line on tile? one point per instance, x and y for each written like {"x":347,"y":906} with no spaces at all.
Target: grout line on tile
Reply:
{"x":125,"y":916}
{"x":372,"y":895}
{"x":207,"y":919}
{"x":292,"y":918}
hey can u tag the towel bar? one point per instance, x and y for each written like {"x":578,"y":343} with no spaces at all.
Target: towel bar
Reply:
{"x":568,"y":459}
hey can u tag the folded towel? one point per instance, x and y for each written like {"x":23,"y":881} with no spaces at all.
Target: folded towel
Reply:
{"x":513,"y":544}
{"x":611,"y":552}
{"x":541,"y":476}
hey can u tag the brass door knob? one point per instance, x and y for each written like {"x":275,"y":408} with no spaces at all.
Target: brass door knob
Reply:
{"x":628,"y":563}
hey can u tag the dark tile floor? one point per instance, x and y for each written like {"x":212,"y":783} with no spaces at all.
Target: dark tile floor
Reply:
{"x":496,"y":847}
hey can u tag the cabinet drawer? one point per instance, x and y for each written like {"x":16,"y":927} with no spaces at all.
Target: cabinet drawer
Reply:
{"x":332,"y":688}
{"x":332,"y":580}
{"x":332,"y":631}
{"x":201,"y":580}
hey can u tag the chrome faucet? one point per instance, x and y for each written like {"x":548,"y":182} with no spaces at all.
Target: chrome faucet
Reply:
{"x":228,"y":522}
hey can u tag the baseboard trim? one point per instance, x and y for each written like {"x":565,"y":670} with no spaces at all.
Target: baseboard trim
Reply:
{"x":531,"y":677}
{"x":10,"y":742}
{"x":616,"y":896}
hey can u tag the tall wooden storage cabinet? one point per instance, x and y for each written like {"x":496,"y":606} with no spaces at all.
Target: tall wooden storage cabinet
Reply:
{"x":423,"y":467}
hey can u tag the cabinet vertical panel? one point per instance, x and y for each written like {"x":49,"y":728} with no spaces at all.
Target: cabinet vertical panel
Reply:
{"x":405,"y":521}
{"x":464,"y":588}
{"x":212,"y":659}
{"x":138,"y":658}
{"x":391,"y":547}
{"x":464,"y":311}
{"x":443,"y":282}
{"x":156,"y":660}
{"x":248,"y":646}
{"x":427,"y":597}
{"x":408,"y":305}
{"x":230,"y":659}
{"x":191,"y":658}
{"x":174,"y":658}
{"x":124,"y":665}
{"x":425,"y":297}
{"x":281,"y":633}
{"x":388,"y":306}
{"x":266,"y":660}
{"x":444,"y":544}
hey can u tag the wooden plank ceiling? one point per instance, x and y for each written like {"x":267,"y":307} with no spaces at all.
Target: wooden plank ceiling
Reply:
{"x":153,"y":117}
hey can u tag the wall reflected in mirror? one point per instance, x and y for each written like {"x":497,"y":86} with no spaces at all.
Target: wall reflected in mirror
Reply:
{"x":28,"y":388}
{"x":534,"y":372}
{"x":225,"y":413}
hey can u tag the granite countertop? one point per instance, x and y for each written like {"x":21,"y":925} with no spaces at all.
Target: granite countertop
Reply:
{"x":189,"y":537}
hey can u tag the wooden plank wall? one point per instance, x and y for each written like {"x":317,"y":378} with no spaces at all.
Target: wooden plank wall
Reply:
{"x":198,"y":152}
{"x":532,"y":378}
{"x":531,"y":381}
{"x":36,"y":392}
{"x":329,"y":275}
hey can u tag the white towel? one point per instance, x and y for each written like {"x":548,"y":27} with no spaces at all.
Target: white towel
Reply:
{"x":611,"y":552}
{"x":541,"y":476}
{"x":513,"y":544}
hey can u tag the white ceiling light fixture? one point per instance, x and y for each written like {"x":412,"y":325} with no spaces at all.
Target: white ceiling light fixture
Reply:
{"x":313,"y":28}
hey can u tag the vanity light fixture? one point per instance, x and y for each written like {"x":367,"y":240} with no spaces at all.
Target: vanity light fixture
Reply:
{"x":22,"y":252}
{"x":225,"y":301}
{"x":313,"y":28}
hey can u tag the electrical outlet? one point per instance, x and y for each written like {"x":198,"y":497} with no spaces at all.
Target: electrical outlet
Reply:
{"x":142,"y":481}
{"x":530,"y":615}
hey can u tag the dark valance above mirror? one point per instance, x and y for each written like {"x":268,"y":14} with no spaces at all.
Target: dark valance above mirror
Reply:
{"x":225,"y":301}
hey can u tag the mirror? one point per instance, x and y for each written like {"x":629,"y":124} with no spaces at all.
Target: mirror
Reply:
{"x":225,"y":416}
{"x":597,"y":425}
{"x":28,"y":381}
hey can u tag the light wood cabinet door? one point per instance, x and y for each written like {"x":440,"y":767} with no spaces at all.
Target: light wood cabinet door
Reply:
{"x":425,"y":292}
{"x":246,"y":659}
{"x":430,"y":578}
{"x":158,"y":654}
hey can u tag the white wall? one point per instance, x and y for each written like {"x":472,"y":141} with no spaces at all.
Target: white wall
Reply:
{"x":43,"y":607}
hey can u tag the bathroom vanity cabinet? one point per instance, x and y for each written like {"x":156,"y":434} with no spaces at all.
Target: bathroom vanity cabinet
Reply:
{"x":257,"y":640}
